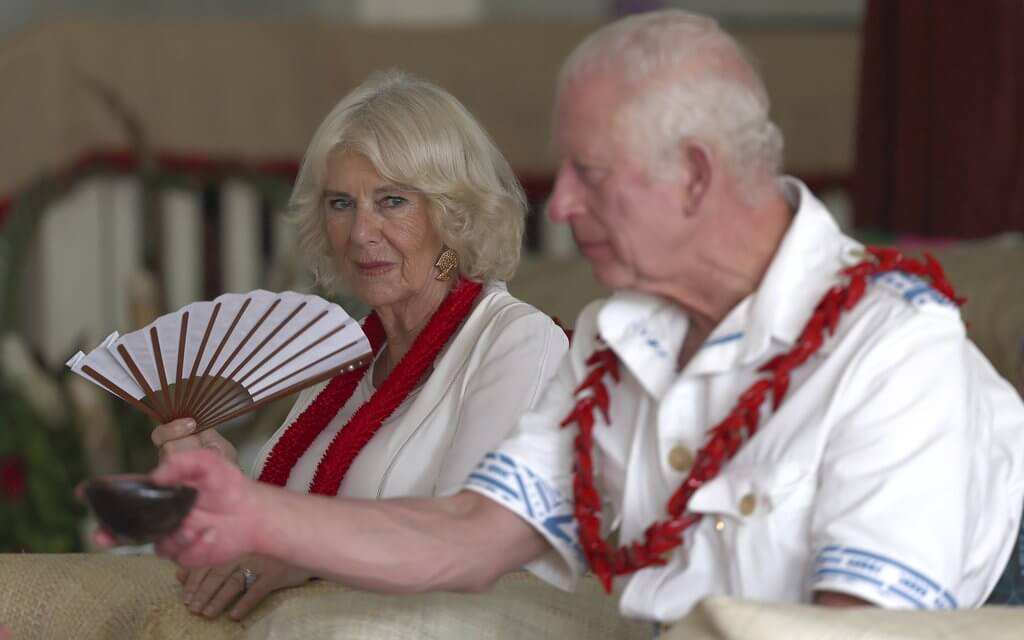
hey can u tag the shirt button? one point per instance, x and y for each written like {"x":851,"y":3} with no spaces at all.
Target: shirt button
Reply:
{"x":747,"y":504}
{"x":719,"y":524}
{"x":680,"y":458}
{"x":859,"y":255}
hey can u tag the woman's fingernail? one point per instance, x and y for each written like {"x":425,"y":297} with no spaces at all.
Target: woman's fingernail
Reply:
{"x":190,"y":425}
{"x":188,"y":597}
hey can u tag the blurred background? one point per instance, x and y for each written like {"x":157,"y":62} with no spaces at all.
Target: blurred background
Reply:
{"x":147,"y":149}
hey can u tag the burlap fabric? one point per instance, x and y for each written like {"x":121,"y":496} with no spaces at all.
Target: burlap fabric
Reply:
{"x":87,"y":597}
{"x":94,"y":597}
{"x":722,"y":618}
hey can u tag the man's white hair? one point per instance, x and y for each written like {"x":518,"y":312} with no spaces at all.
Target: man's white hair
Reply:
{"x":684,"y":77}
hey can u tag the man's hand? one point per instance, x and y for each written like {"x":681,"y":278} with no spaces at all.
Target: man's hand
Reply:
{"x":179,"y":435}
{"x":223,"y":523}
{"x":457,"y":543}
{"x":225,"y":519}
{"x":210,"y":591}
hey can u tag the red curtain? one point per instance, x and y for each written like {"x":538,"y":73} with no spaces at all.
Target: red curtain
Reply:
{"x":940,"y":134}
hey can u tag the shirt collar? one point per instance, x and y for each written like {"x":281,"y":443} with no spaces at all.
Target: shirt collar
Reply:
{"x":646,"y":332}
{"x":805,"y":265}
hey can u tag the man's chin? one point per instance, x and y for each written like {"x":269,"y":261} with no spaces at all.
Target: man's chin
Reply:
{"x":610,"y":276}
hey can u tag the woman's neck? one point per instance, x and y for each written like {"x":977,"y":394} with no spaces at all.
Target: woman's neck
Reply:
{"x":403,"y":322}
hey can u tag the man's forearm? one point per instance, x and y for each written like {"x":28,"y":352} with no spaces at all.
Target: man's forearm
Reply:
{"x":461,"y":543}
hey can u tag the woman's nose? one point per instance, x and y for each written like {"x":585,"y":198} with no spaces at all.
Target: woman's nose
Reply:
{"x":365,"y":225}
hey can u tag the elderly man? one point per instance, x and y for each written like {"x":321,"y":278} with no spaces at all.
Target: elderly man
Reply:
{"x":762,"y":409}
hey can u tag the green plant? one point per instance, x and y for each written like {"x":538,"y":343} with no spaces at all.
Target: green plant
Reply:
{"x":40,"y":463}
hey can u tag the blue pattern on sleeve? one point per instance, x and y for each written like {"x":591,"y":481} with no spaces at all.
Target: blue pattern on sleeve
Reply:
{"x":529,"y":496}
{"x":889,"y":577}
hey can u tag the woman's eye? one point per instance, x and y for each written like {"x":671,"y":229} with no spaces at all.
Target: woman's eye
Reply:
{"x":390,"y":202}
{"x":340,"y":204}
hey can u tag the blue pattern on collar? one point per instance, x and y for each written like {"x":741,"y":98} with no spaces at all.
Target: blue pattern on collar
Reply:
{"x":729,"y":337}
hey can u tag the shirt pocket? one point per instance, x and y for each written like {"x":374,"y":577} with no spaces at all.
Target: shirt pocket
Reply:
{"x":758,"y":517}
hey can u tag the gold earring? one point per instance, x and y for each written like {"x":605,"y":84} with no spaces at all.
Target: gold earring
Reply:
{"x":447,"y":261}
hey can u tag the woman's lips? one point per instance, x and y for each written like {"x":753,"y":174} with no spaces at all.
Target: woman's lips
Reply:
{"x":373,"y":267}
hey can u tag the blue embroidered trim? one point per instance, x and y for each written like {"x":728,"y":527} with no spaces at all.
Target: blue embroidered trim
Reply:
{"x":729,"y":337}
{"x":885,"y":574}
{"x":530,"y":497}
{"x":639,"y":329}
{"x":914,"y":290}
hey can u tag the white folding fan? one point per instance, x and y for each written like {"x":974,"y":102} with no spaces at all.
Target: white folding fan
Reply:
{"x":216,"y":360}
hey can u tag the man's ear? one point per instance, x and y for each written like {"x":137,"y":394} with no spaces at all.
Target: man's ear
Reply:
{"x":695,"y":161}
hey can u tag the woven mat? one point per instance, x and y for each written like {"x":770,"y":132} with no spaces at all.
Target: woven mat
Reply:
{"x":722,"y":618}
{"x":87,"y":597}
{"x":94,"y":597}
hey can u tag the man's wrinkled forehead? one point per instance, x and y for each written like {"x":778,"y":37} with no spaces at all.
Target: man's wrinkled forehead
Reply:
{"x":587,"y":112}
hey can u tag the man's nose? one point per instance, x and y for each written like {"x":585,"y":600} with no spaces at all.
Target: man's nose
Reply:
{"x":565,"y":201}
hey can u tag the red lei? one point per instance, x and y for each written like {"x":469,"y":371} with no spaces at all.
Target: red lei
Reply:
{"x":727,"y":437}
{"x":365,"y":422}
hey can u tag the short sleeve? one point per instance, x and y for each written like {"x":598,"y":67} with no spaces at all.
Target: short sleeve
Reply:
{"x":530,"y":473}
{"x":895,"y":511}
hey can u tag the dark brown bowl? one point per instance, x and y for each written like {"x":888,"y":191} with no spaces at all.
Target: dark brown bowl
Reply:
{"x":135,"y":510}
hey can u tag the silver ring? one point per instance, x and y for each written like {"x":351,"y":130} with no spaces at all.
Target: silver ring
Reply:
{"x":248,"y":577}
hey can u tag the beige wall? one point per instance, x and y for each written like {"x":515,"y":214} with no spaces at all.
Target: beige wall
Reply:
{"x":255,"y":91}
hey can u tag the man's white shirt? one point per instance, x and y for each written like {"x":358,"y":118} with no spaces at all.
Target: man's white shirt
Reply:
{"x":892,"y":471}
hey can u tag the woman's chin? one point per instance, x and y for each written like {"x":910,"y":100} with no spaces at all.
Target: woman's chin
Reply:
{"x":374,"y":293}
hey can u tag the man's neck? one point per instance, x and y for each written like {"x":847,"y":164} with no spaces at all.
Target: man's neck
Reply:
{"x":729,"y":267}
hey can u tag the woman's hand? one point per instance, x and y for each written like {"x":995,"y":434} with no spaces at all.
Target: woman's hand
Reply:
{"x":5,"y":633}
{"x":210,"y":591}
{"x":179,"y":435}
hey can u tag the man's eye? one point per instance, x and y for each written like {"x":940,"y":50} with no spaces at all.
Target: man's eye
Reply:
{"x":340,"y":204}
{"x":390,"y":202}
{"x":588,"y":174}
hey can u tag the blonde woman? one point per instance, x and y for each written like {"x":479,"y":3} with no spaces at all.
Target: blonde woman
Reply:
{"x":404,"y":198}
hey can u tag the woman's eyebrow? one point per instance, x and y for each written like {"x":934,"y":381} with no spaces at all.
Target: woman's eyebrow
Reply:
{"x":377,"y":191}
{"x":390,"y":187}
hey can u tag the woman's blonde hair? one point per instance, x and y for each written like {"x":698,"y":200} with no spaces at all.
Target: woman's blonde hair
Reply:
{"x":420,"y":137}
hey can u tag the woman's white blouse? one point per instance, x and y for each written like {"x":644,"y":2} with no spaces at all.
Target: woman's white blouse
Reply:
{"x":494,"y":369}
